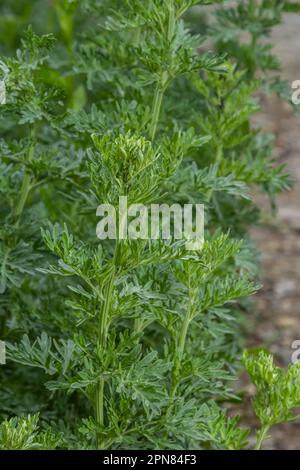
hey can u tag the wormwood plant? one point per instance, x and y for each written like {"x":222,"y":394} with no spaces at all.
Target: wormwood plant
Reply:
{"x":133,"y":344}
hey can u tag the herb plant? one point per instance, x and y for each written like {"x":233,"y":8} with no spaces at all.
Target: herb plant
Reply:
{"x":133,"y":344}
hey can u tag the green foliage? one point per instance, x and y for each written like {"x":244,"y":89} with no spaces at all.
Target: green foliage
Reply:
{"x":278,"y":390}
{"x":23,"y":434}
{"x":131,"y":344}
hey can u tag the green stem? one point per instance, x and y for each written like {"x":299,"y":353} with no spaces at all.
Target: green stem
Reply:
{"x":100,"y":411}
{"x":179,"y":351}
{"x":251,"y":8}
{"x":66,"y":22}
{"x":162,"y":84}
{"x":138,"y":325}
{"x":25,"y":189}
{"x":3,"y":278}
{"x":26,"y":183}
{"x":182,"y":337}
{"x":159,"y":93}
{"x":179,"y":356}
{"x":16,"y":214}
{"x":261,"y":436}
{"x":219,"y":156}
{"x":106,"y":309}
{"x":171,"y":23}
{"x":102,"y":339}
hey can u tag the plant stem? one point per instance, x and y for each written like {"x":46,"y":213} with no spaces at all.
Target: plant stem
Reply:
{"x":159,"y":93}
{"x":26,"y":183}
{"x":251,"y":7}
{"x":182,"y":338}
{"x":25,"y":188}
{"x":16,"y":214}
{"x":219,"y":154}
{"x":100,"y":410}
{"x":66,"y":22}
{"x":162,"y":84}
{"x":179,"y":350}
{"x":171,"y":23}
{"x":261,"y":436}
{"x":106,"y":308}
{"x":102,"y":339}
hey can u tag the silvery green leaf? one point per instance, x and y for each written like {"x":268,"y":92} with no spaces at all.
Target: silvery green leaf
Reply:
{"x":2,"y":92}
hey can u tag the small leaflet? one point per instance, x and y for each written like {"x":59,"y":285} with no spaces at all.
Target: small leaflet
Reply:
{"x":2,"y":92}
{"x":2,"y":353}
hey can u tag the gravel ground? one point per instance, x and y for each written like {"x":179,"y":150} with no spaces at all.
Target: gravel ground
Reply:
{"x":277,"y":317}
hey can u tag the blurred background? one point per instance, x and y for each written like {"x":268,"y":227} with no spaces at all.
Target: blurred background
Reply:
{"x":276,"y":322}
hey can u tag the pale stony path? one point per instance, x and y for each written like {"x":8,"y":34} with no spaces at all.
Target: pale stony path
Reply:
{"x":277,"y":321}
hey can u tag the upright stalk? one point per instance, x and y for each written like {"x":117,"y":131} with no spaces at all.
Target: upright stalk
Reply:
{"x":16,"y":214}
{"x":108,"y":292}
{"x":180,"y":348}
{"x":171,"y":23}
{"x":99,"y":406}
{"x":180,"y":351}
{"x":102,"y":339}
{"x":162,"y":84}
{"x":219,"y":156}
{"x":157,"y":101}
{"x":261,"y":436}
{"x":26,"y":183}
{"x":66,"y":22}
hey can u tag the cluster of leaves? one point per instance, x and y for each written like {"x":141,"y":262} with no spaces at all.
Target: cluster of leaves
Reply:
{"x":23,"y":434}
{"x":131,"y":344}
